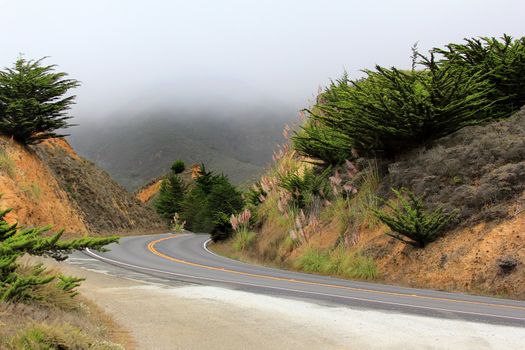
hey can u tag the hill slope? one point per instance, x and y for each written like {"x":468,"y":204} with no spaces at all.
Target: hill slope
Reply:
{"x":478,"y":171}
{"x":50,"y":184}
{"x":138,"y":150}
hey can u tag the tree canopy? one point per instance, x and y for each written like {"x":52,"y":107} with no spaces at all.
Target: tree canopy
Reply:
{"x":33,"y":105}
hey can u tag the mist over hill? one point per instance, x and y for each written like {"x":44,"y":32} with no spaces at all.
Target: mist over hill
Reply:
{"x":238,"y":141}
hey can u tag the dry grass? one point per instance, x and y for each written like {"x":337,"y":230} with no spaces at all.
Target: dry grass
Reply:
{"x":56,"y":320}
{"x":7,"y":165}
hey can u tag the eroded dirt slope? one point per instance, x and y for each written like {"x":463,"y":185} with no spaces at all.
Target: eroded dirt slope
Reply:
{"x":29,"y":187}
{"x":105,"y":206}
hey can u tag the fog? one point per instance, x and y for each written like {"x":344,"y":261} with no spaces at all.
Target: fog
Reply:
{"x":134,"y":56}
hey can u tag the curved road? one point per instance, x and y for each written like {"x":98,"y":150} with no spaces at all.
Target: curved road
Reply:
{"x":186,"y":258}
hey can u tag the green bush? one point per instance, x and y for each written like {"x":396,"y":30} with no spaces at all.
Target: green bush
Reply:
{"x":304,"y":189}
{"x":408,"y":219}
{"x":178,"y":167}
{"x":392,"y":110}
{"x":32,"y":106}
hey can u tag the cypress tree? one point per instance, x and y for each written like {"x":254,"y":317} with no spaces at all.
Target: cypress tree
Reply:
{"x":16,"y":241}
{"x":32,"y":102}
{"x":171,"y":195}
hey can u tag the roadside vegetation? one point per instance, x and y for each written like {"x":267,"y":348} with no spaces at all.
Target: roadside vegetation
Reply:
{"x":39,"y":308}
{"x":356,"y":164}
{"x":203,"y":204}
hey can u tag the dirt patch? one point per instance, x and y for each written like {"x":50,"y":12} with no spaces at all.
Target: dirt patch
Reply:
{"x":146,"y":193}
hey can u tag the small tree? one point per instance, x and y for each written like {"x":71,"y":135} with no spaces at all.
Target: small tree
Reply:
{"x":178,"y":167}
{"x":171,"y":195}
{"x":32,"y":102}
{"x":16,"y":241}
{"x":408,"y":219}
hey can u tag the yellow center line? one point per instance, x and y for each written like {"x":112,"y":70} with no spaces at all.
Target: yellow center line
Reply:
{"x":151,"y":248}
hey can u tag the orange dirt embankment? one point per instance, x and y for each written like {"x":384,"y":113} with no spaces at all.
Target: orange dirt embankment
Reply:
{"x":28,"y":186}
{"x":146,"y":193}
{"x":463,"y":260}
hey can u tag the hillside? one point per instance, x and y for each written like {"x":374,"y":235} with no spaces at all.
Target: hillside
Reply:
{"x":50,"y":184}
{"x":480,"y":169}
{"x":408,"y":177}
{"x":140,"y":149}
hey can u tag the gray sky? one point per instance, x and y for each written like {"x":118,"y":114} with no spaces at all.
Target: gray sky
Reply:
{"x":134,"y":55}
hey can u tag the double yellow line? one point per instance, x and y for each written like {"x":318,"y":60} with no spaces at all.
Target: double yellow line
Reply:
{"x":152,"y":249}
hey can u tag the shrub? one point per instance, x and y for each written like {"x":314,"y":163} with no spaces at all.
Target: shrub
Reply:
{"x":221,"y":227}
{"x":177,"y":224}
{"x":304,"y":189}
{"x":178,"y":167}
{"x":408,"y":219}
{"x":32,"y":105}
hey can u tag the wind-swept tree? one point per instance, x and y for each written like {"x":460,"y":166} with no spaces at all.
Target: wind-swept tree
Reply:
{"x":15,"y":241}
{"x":33,"y":104}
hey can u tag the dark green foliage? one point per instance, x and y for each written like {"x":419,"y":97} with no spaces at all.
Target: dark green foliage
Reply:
{"x":222,"y":228}
{"x":408,"y":219}
{"x":391,"y":110}
{"x":32,"y":105}
{"x":321,"y":142}
{"x":208,"y":203}
{"x":502,"y":60}
{"x":304,"y":189}
{"x":170,"y":197}
{"x":178,"y":167}
{"x":16,"y":241}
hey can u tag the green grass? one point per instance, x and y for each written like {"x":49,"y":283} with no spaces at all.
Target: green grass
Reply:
{"x":337,"y":262}
{"x":243,"y":240}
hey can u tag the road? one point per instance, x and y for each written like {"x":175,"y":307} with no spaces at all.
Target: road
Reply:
{"x":186,"y":258}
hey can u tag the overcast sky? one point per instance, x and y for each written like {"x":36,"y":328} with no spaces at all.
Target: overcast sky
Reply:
{"x":134,"y":55}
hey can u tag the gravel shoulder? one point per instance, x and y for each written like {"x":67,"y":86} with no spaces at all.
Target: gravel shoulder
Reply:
{"x":170,"y":315}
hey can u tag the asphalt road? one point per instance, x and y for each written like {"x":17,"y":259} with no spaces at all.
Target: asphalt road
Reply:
{"x":186,"y":258}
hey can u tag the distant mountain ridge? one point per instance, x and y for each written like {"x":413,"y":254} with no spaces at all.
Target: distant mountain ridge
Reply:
{"x":138,"y":150}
